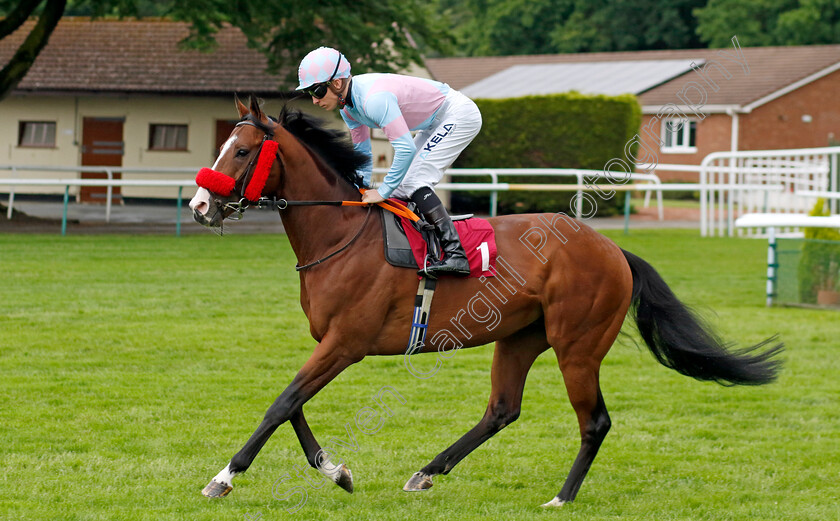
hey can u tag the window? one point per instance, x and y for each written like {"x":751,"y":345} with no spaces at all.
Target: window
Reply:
{"x":36,"y":134}
{"x":679,"y":135}
{"x":167,"y":137}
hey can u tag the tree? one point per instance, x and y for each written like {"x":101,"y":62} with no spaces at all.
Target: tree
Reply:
{"x":374,"y":34}
{"x":617,"y":25}
{"x":515,"y":26}
{"x":813,"y":22}
{"x":510,"y":27}
{"x":769,"y":22}
{"x":754,"y":21}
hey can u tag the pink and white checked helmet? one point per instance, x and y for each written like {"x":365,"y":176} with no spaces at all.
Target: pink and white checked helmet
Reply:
{"x":322,"y":65}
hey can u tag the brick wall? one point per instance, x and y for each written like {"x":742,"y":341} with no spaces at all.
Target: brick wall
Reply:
{"x":779,"y":124}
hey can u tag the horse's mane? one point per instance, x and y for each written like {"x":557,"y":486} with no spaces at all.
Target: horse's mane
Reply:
{"x":331,"y":145}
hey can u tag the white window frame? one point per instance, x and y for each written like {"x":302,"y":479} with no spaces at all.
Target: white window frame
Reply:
{"x":37,"y":134}
{"x":683,"y":136}
{"x":172,"y":132}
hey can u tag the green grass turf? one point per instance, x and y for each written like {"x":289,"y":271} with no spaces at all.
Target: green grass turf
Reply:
{"x":133,"y":368}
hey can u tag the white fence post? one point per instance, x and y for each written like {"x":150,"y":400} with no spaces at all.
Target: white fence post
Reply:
{"x":9,"y":211}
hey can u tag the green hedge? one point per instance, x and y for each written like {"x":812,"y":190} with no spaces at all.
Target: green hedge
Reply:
{"x":569,"y":130}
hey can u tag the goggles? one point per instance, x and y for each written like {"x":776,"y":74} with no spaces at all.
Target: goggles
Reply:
{"x":317,"y":91}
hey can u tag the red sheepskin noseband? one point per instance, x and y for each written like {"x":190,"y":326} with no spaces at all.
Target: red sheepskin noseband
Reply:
{"x":221,"y":184}
{"x":216,"y":182}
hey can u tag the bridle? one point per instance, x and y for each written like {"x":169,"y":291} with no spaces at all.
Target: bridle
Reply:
{"x":245,"y":194}
{"x":247,"y":189}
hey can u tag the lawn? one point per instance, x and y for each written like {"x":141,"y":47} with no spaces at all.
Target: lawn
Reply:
{"x":134,"y":367}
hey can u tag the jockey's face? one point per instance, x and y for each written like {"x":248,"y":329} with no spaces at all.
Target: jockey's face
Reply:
{"x":330,"y":99}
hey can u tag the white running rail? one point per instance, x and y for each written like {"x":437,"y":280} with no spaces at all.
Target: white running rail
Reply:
{"x":798,"y":171}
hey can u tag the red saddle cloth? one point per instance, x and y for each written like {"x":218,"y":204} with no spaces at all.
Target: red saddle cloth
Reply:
{"x":477,"y":237}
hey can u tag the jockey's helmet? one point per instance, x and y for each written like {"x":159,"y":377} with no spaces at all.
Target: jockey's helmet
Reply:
{"x":322,"y":65}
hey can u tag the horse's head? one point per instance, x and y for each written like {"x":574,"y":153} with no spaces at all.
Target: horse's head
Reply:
{"x":243,"y":172}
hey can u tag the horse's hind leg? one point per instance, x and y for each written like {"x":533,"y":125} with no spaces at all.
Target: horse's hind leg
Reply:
{"x":580,"y":362}
{"x":595,"y":423}
{"x":512,"y":360}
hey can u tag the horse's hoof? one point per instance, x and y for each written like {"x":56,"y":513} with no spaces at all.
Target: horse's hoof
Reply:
{"x":418,"y":482}
{"x":556,"y":502}
{"x":216,"y":489}
{"x":345,"y":479}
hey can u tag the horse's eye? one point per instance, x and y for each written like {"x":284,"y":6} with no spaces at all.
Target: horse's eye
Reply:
{"x":241,"y":152}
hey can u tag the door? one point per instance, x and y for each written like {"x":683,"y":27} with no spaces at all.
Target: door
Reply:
{"x":102,"y":145}
{"x":224,"y":127}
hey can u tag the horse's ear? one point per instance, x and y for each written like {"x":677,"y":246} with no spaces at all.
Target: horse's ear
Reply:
{"x":240,"y":107}
{"x":256,"y":111}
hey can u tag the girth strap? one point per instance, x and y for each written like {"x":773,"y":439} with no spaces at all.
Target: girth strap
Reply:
{"x":420,"y":320}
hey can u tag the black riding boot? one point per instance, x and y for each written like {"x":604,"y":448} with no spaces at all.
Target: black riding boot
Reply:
{"x":454,"y":260}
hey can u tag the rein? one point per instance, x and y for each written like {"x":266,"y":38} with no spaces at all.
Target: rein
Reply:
{"x":336,"y":252}
{"x":281,"y":204}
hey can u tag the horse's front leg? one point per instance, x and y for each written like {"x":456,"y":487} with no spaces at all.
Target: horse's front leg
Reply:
{"x":339,"y":474}
{"x":326,"y":362}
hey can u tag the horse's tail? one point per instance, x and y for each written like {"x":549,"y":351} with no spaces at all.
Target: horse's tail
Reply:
{"x":679,"y":339}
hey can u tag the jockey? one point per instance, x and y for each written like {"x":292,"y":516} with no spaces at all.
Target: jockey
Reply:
{"x":446,"y":122}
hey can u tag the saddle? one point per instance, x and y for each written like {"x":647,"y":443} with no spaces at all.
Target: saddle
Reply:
{"x":413,"y":245}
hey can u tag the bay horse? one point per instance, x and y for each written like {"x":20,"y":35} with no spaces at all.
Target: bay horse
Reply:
{"x":560,"y":286}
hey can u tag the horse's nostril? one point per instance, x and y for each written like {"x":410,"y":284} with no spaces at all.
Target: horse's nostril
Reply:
{"x":201,"y":208}
{"x":200,"y":203}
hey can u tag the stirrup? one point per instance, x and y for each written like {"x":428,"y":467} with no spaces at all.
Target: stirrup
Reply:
{"x":424,"y":271}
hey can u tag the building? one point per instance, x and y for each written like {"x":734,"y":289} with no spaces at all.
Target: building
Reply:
{"x":694,"y":102}
{"x":123,"y":93}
